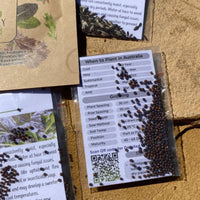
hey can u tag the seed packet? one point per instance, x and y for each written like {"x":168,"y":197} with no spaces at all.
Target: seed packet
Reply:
{"x":32,"y":163}
{"x":126,"y":118}
{"x":38,"y":44}
{"x":123,"y":19}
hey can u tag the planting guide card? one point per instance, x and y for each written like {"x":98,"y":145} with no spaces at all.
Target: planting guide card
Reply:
{"x":30,"y":166}
{"x":128,"y":15}
{"x":123,"y":120}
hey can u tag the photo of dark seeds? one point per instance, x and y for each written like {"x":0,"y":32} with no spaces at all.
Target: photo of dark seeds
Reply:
{"x":93,"y":25}
{"x":27,"y":128}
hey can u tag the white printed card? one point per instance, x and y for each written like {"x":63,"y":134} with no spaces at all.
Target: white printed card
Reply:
{"x":30,"y":166}
{"x":124,"y":123}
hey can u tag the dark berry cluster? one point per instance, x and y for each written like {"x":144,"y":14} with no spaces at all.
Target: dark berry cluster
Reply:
{"x":20,"y":134}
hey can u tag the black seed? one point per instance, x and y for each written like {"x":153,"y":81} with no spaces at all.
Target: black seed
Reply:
{"x":133,"y":101}
{"x":31,"y":128}
{"x":119,"y":95}
{"x":99,"y":117}
{"x":19,"y":158}
{"x":124,"y":127}
{"x":135,"y":93}
{"x":45,"y":174}
{"x":46,"y":152}
{"x":144,"y":100}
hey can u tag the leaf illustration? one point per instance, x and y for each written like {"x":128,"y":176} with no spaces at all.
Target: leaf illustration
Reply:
{"x":0,"y":13}
{"x":25,"y":43}
{"x":32,"y":22}
{"x":26,"y":11}
{"x":37,"y":55}
{"x":51,"y":25}
{"x":36,"y":50}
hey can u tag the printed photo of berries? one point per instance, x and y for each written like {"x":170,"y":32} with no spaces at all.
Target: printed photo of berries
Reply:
{"x":27,"y":128}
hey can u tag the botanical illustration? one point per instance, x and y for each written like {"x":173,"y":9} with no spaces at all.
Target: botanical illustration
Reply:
{"x":26,"y":19}
{"x":25,"y":16}
{"x":27,"y":128}
{"x":35,"y":51}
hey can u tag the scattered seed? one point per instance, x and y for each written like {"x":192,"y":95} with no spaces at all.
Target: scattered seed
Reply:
{"x":46,"y":152}
{"x":45,"y":174}
{"x":99,"y":117}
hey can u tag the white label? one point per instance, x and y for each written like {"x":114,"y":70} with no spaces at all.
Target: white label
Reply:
{"x":127,"y":14}
{"x":114,"y":89}
{"x":28,"y":142}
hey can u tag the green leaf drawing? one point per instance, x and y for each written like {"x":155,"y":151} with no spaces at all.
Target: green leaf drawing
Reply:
{"x":0,"y":13}
{"x":32,"y":22}
{"x":26,"y":11}
{"x":51,"y":25}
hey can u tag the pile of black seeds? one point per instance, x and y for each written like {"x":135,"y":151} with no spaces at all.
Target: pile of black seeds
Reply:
{"x":153,"y":132}
{"x":20,"y":134}
{"x":93,"y":25}
{"x":8,"y":177}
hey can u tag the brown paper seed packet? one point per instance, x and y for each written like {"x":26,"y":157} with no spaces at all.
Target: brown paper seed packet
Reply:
{"x":38,"y":44}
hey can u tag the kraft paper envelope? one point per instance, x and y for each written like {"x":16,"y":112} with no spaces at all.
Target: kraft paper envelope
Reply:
{"x":38,"y":44}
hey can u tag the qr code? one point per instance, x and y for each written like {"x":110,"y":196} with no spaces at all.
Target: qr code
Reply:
{"x":105,"y":167}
